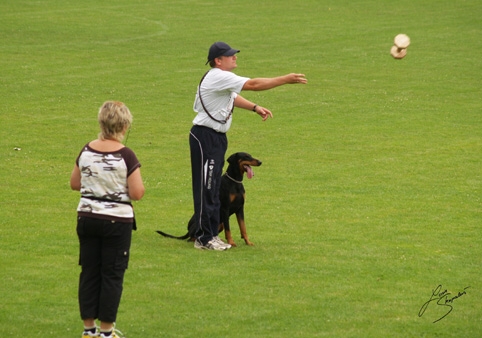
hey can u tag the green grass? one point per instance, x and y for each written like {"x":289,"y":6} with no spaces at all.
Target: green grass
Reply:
{"x":369,"y":195}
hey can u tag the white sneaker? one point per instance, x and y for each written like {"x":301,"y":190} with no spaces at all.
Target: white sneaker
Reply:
{"x":198,"y":244}
{"x":115,"y":334}
{"x":220,"y":241}
{"x":211,"y":245}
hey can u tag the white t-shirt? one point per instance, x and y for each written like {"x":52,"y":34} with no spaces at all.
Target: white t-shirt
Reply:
{"x":218,"y":91}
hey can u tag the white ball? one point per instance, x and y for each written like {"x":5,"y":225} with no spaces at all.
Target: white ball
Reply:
{"x":402,"y":41}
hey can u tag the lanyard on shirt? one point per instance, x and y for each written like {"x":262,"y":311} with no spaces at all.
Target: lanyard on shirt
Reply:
{"x":204,"y":107}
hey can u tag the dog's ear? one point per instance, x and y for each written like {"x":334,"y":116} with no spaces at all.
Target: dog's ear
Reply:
{"x":232,"y":158}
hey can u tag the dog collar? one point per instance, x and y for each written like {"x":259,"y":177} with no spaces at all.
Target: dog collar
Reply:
{"x":232,"y":179}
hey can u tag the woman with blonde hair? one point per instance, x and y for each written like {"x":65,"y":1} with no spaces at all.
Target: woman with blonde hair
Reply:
{"x":108,"y":176}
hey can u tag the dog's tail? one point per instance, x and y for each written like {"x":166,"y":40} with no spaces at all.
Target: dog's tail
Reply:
{"x":186,"y":236}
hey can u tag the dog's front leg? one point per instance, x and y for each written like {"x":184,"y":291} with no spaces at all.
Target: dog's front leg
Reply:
{"x":229,"y":238}
{"x":227,"y":230}
{"x":227,"y":234}
{"x":242,"y":228}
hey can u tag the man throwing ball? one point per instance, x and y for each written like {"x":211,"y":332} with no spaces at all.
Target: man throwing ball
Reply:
{"x":216,"y":97}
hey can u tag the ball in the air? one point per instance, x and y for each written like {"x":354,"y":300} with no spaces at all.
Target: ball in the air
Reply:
{"x":398,"y":53}
{"x":402,"y":41}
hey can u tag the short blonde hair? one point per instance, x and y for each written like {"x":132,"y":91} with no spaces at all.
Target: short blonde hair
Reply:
{"x":114,"y":118}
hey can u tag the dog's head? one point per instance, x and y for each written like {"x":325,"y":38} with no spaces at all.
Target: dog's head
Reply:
{"x":244,"y":161}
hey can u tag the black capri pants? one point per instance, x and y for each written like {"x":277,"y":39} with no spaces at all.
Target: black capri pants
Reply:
{"x":104,"y":257}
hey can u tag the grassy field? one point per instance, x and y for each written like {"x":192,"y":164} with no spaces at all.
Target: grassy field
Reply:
{"x":369,"y":195}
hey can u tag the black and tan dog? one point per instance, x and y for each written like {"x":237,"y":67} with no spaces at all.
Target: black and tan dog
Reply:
{"x":232,"y":196}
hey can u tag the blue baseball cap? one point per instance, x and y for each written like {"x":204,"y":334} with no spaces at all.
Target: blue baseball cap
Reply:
{"x":218,"y":49}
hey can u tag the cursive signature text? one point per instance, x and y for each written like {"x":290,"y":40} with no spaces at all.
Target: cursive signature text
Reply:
{"x":442,"y":298}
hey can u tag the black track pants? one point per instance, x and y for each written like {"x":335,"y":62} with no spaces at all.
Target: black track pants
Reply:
{"x":208,"y":149}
